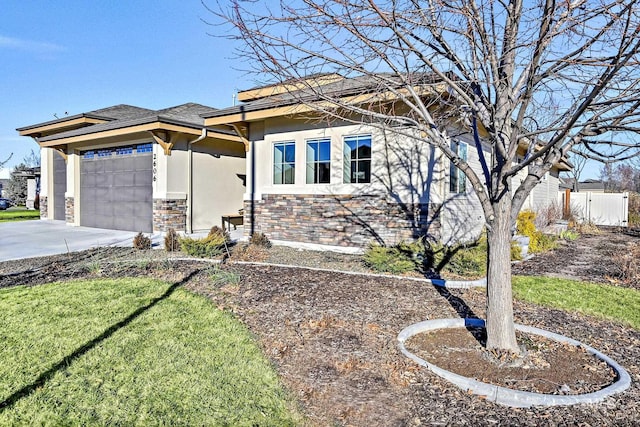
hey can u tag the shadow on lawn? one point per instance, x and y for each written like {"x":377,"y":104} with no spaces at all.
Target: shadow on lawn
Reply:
{"x":66,"y":361}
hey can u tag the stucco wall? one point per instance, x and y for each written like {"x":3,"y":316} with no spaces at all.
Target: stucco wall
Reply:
{"x":218,"y":183}
{"x":398,"y":203}
{"x":462,"y":216}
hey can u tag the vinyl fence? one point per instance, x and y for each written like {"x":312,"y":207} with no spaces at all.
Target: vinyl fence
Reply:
{"x":598,"y":208}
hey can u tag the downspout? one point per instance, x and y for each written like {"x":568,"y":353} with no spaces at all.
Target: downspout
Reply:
{"x":190,"y":180}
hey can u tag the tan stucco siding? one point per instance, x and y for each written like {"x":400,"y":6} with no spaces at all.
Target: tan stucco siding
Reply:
{"x":402,"y":169}
{"x":218,"y":178}
{"x":462,"y":216}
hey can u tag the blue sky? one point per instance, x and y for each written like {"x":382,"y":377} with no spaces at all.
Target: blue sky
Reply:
{"x":75,"y":56}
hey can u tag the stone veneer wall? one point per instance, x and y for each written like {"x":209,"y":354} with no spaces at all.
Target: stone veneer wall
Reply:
{"x":352,"y":221}
{"x":43,"y":207}
{"x":169,"y":213}
{"x":69,"y":210}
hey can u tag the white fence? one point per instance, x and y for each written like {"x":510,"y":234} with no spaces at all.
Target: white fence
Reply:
{"x":599,"y":208}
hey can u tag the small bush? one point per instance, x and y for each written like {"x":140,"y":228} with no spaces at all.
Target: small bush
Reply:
{"x":220,"y":277}
{"x":569,"y":235}
{"x":388,"y":260}
{"x":141,"y":242}
{"x":516,"y":251}
{"x":538,"y":241}
{"x":171,"y":241}
{"x":248,"y":252}
{"x":218,"y":232}
{"x":586,"y":228}
{"x":260,"y":239}
{"x":548,"y":215}
{"x":207,"y":247}
{"x":628,"y":264}
{"x":634,"y":209}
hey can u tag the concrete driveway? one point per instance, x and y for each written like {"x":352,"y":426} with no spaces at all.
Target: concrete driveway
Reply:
{"x":27,"y":239}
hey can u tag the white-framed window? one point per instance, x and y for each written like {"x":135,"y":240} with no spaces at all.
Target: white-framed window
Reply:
{"x":284,"y":162}
{"x":319,"y":161}
{"x":457,"y":179}
{"x":357,"y":159}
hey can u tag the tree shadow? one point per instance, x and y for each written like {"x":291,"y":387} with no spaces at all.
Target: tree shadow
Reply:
{"x":66,"y":361}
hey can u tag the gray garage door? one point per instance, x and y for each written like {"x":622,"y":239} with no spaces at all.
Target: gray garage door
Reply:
{"x":59,"y":186}
{"x":116,"y":188}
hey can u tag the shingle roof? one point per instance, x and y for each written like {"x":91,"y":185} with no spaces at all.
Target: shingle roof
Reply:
{"x":344,"y":87}
{"x":110,"y":113}
{"x":124,"y":116}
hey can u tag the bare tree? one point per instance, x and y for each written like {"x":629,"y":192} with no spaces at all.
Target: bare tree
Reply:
{"x":579,"y":159}
{"x":541,"y":75}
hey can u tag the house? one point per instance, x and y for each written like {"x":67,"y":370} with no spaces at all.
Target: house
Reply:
{"x":131,"y":168}
{"x":344,"y":183}
{"x":298,"y":177}
{"x":3,"y":186}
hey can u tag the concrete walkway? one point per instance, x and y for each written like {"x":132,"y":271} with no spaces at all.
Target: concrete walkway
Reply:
{"x":27,"y":239}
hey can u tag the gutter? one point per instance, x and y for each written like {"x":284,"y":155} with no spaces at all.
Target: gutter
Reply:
{"x":190,"y":180}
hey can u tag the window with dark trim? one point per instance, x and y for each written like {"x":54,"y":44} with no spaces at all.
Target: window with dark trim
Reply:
{"x":284,"y":162}
{"x":457,"y":178}
{"x":357,"y":159}
{"x":319,"y":161}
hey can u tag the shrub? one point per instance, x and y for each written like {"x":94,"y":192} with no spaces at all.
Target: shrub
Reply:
{"x":210,"y":246}
{"x":634,"y":209}
{"x":586,"y":228}
{"x":260,"y":239}
{"x":628,"y":264}
{"x":171,"y":241}
{"x":388,"y":259}
{"x":569,"y":235}
{"x":548,"y":215}
{"x":141,"y":242}
{"x":218,"y":232}
{"x":538,"y":241}
{"x":516,"y":251}
{"x":248,"y":252}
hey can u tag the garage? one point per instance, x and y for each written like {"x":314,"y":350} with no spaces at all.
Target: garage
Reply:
{"x":116,"y":189}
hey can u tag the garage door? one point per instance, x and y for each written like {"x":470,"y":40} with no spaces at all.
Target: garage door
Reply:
{"x":116,"y":188}
{"x":59,"y":186}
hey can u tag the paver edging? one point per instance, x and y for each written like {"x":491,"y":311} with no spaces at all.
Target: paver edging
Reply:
{"x":503,"y":395}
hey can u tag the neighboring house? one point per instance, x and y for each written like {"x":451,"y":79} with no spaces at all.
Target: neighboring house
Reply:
{"x":591,"y":185}
{"x":309,"y":181}
{"x":3,"y":185}
{"x":131,"y":168}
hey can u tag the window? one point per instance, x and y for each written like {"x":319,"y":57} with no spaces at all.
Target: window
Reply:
{"x":457,"y":179}
{"x":357,"y":159}
{"x":319,"y":161}
{"x":284,"y":162}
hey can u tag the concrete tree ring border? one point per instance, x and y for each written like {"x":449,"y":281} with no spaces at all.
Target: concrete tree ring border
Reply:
{"x":503,"y":395}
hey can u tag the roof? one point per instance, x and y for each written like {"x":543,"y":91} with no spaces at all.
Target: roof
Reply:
{"x":310,"y":91}
{"x":123,"y":116}
{"x":108,"y":114}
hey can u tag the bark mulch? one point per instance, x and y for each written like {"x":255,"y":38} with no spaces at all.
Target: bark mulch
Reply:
{"x":332,"y":336}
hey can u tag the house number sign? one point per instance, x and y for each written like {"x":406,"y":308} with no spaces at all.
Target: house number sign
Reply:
{"x":155,"y":167}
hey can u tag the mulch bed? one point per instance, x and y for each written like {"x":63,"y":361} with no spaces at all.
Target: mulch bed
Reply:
{"x":332,"y":337}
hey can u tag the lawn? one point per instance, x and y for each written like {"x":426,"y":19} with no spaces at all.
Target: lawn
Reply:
{"x":18,"y":214}
{"x":130,"y":352}
{"x":604,"y":301}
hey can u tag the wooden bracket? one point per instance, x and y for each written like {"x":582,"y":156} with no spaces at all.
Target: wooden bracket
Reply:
{"x":62,"y":153}
{"x":242,"y":129}
{"x":165,"y":139}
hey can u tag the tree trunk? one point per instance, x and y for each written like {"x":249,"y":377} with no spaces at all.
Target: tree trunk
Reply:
{"x":500,"y":325}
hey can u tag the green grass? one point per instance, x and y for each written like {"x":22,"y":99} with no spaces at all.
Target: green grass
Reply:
{"x":604,"y":301}
{"x":18,"y":214}
{"x":130,"y":352}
